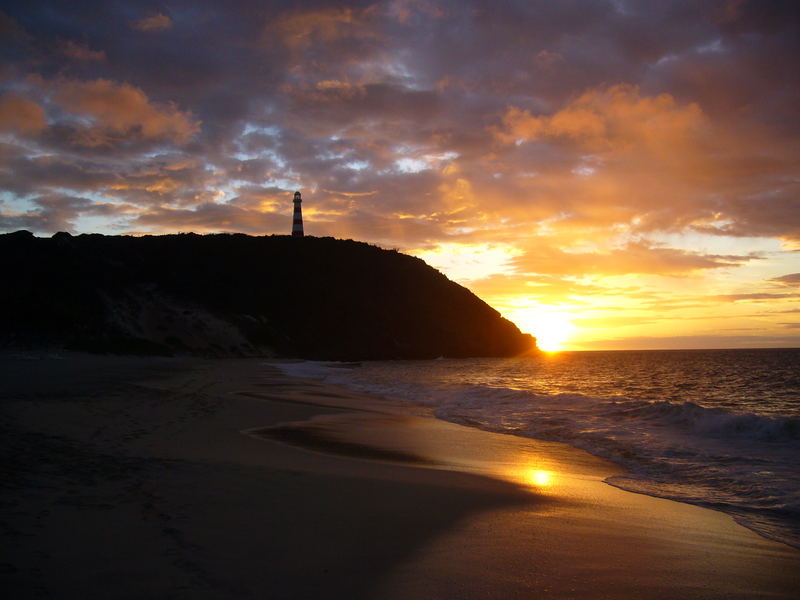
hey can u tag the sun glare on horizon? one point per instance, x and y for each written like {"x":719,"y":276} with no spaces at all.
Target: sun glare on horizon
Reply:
{"x":551,"y":329}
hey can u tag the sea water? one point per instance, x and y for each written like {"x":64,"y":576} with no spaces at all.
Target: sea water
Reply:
{"x":717,"y":428}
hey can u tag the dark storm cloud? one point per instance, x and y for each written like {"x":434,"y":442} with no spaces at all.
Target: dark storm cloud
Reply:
{"x":214,"y":216}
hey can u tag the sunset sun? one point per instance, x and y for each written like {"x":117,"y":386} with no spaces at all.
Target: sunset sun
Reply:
{"x":552,"y":330}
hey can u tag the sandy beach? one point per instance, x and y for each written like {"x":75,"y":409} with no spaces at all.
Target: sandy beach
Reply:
{"x":210,"y":479}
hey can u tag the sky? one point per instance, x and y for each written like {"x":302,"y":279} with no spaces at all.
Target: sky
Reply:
{"x":607,"y":174}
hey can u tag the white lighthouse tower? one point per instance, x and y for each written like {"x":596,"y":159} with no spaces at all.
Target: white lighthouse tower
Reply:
{"x":297,"y":221}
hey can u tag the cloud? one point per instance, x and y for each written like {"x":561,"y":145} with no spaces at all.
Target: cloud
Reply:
{"x":82,"y":52}
{"x":755,"y":297}
{"x":211,"y":217}
{"x":612,"y":119}
{"x":791,"y":279}
{"x":406,"y":10}
{"x":653,"y":163}
{"x":544,"y":289}
{"x":10,"y":29}
{"x":350,"y":93}
{"x":330,"y":104}
{"x":55,"y":213}
{"x":302,"y":28}
{"x":633,"y":258}
{"x":775,"y":213}
{"x":153,"y":23}
{"x":21,"y":115}
{"x":119,"y":112}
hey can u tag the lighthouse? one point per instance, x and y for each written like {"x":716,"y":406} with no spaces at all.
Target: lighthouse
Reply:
{"x":297,"y":222}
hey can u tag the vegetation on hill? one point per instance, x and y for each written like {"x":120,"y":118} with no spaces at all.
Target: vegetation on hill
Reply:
{"x":233,"y":294}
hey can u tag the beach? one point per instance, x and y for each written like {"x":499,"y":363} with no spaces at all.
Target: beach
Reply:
{"x":191,"y":478}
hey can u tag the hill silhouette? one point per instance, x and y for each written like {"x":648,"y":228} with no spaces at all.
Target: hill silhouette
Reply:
{"x":233,"y":294}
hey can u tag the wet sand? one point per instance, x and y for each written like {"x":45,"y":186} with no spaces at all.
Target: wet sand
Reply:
{"x":183,"y":478}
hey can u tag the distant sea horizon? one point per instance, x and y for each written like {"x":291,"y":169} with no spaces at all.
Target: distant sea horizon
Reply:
{"x":681,"y":349}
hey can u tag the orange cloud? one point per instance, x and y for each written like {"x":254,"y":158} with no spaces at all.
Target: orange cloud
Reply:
{"x":503,"y":288}
{"x":613,"y":118}
{"x":153,"y":23}
{"x":123,"y":112}
{"x":300,"y":29}
{"x":328,"y":90}
{"x":634,"y":258}
{"x":20,"y":115}
{"x":616,"y":159}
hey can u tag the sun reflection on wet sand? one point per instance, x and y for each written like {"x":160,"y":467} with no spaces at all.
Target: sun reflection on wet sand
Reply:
{"x":537,"y":478}
{"x":540,"y":478}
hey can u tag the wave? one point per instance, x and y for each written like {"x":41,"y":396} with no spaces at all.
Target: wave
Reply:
{"x":593,"y":412}
{"x":716,"y":422}
{"x":737,"y":461}
{"x":741,"y":463}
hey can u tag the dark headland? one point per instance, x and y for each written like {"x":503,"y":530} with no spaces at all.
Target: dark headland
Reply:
{"x":239,"y":295}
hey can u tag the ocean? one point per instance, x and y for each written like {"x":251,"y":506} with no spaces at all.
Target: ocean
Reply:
{"x":717,"y":428}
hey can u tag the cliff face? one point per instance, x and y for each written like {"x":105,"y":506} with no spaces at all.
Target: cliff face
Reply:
{"x":317,"y":298}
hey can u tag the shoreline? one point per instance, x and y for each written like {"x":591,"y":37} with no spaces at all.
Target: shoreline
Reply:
{"x":156,"y":474}
{"x":734,"y":461}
